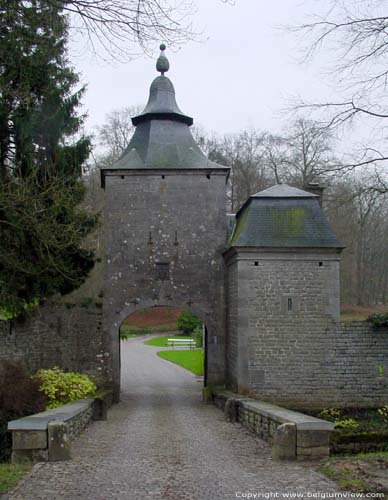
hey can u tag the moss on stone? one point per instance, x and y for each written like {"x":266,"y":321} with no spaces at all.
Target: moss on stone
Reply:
{"x":289,"y":221}
{"x":240,"y":225}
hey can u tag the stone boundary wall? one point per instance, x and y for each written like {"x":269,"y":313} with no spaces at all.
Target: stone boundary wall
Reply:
{"x":69,"y":336}
{"x":47,"y":436}
{"x":292,"y":435}
{"x":355,"y":364}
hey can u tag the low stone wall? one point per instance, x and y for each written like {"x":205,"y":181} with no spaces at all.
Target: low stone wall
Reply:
{"x":292,"y":435}
{"x":79,"y":422}
{"x":47,"y":436}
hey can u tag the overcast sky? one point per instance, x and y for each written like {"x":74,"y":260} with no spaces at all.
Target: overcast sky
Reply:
{"x":241,"y":75}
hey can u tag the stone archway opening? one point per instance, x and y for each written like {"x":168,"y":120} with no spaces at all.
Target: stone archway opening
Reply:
{"x":161,"y":328}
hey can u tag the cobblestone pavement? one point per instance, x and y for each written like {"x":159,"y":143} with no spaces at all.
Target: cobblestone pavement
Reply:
{"x":162,"y":442}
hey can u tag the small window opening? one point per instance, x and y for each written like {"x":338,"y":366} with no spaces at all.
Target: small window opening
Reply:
{"x":163,"y":176}
{"x":208,"y":176}
{"x":320,"y":264}
{"x":163,"y":271}
{"x":256,"y":262}
{"x":122,"y":176}
{"x":289,"y":305}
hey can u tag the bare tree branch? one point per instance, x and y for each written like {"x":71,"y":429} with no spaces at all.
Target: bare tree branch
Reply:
{"x":357,"y":35}
{"x":122,"y":29}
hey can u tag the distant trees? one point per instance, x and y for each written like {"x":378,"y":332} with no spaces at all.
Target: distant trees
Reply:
{"x":302,"y":154}
{"x":359,"y":216}
{"x":114,"y":135}
{"x":355,"y":35}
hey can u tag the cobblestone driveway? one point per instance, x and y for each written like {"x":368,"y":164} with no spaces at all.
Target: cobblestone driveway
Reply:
{"x":162,"y":442}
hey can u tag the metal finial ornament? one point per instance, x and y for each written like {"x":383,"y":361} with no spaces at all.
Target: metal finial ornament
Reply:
{"x":162,"y":64}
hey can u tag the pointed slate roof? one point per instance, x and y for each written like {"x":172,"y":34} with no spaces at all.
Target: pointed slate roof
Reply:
{"x":162,"y":104}
{"x":283,"y":217}
{"x":162,"y":139}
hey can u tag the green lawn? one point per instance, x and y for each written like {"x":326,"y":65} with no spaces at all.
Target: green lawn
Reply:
{"x":10,"y":474}
{"x":192,"y":360}
{"x":162,"y":341}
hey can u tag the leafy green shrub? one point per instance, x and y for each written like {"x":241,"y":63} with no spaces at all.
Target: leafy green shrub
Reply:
{"x":62,"y":387}
{"x":378,"y":319}
{"x":346,"y":424}
{"x":334,"y":415}
{"x":187,"y":322}
{"x":198,"y":336}
{"x":26,"y":400}
{"x":383,"y":412}
{"x":330,"y":414}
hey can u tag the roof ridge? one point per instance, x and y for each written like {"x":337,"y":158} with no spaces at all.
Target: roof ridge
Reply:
{"x":283,"y":191}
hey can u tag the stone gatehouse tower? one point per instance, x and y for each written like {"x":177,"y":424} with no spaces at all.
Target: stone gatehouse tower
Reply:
{"x":283,"y":297}
{"x":269,"y":296}
{"x":165,"y":225}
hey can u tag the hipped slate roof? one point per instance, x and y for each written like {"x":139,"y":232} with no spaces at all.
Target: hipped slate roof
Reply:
{"x":162,"y":138}
{"x":283,"y":217}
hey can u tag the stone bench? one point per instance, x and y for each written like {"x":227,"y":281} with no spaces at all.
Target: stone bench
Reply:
{"x":47,"y":436}
{"x":293,"y":435}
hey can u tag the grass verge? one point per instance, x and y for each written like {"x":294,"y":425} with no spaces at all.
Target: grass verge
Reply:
{"x":10,"y":475}
{"x":192,"y":360}
{"x":162,"y":341}
{"x":361,"y":473}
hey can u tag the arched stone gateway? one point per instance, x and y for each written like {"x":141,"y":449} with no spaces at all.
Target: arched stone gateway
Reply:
{"x":165,"y":226}
{"x":269,"y":296}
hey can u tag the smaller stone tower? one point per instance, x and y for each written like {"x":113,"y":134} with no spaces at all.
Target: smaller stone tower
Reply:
{"x":282,"y":295}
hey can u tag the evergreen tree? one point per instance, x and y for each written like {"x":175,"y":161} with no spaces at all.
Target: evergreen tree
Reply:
{"x":41,"y":225}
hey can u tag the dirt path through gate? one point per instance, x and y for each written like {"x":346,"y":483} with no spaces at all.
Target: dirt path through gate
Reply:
{"x":162,"y":442}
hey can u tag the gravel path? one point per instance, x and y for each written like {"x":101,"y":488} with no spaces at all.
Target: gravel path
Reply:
{"x":162,"y":442}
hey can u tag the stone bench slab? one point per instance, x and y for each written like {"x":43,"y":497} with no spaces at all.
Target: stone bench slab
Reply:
{"x":40,"y":421}
{"x":284,"y":416}
{"x":291,"y":433}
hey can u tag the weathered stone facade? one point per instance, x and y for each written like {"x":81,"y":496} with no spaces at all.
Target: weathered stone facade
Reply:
{"x":302,"y":358}
{"x":266,"y":287}
{"x":69,"y":336}
{"x":164,"y":237}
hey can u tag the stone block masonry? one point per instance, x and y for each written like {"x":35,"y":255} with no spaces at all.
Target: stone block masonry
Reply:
{"x":286,"y":343}
{"x":164,"y":236}
{"x":47,"y":435}
{"x":292,"y":435}
{"x":57,"y":334}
